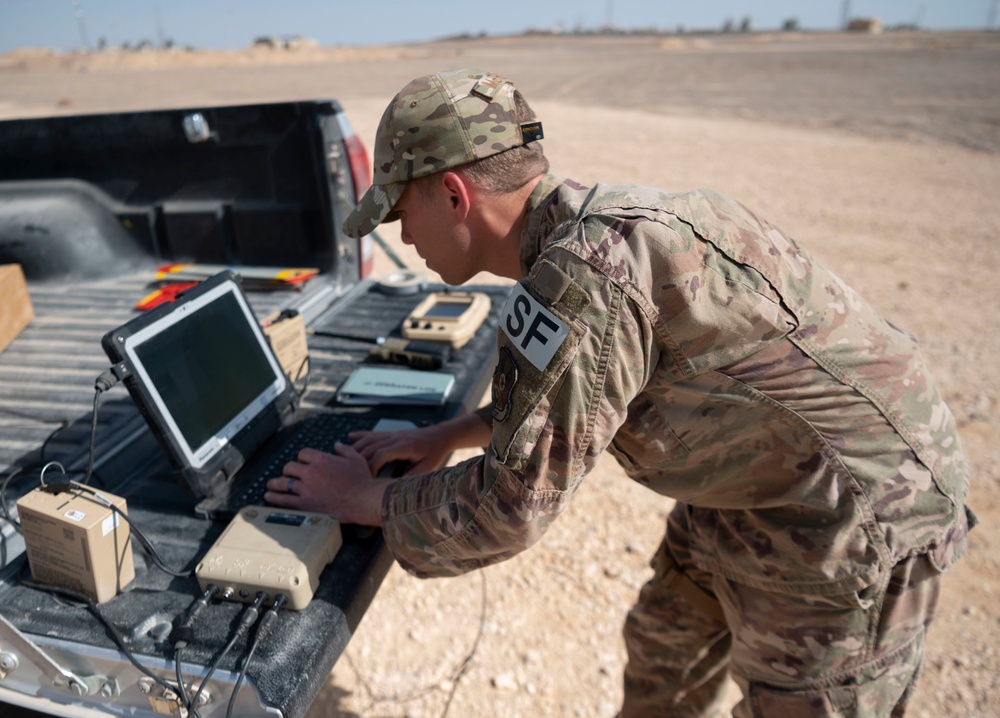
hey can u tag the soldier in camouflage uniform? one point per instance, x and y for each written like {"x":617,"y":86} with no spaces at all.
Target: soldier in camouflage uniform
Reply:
{"x":819,"y":481}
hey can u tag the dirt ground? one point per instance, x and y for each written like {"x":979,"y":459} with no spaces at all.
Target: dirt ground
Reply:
{"x":880,"y":154}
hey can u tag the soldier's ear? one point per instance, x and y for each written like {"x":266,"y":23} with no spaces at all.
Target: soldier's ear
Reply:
{"x":458,"y":193}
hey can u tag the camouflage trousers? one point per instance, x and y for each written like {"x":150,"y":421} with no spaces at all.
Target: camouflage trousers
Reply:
{"x":792,"y":655}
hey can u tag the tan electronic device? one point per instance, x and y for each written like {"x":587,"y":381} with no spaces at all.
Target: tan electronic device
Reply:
{"x":451,"y":317}
{"x":265,"y":548}
{"x":74,"y":540}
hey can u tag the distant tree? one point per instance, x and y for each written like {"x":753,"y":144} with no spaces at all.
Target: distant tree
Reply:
{"x":745,"y":24}
{"x":101,"y":43}
{"x":727,"y":26}
{"x":791,"y":24}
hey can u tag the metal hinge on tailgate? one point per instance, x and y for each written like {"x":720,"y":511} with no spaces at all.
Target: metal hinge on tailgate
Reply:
{"x":14,"y":641}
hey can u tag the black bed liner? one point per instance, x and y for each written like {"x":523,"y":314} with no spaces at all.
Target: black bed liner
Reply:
{"x":46,"y":380}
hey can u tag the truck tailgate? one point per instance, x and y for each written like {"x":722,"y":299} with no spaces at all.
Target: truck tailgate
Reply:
{"x":46,"y":381}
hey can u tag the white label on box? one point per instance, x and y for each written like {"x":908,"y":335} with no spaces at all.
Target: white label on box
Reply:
{"x":109,"y":524}
{"x":74,"y":515}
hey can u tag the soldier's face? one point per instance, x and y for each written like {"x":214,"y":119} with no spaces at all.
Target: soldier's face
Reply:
{"x":429,"y":223}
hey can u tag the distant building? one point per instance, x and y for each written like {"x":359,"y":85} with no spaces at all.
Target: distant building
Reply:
{"x":289,"y":42}
{"x":870,"y":25}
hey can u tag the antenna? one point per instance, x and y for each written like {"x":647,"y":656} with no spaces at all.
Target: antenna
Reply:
{"x":78,"y":13}
{"x":161,"y":36}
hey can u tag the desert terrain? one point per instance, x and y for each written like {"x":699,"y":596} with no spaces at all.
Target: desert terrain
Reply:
{"x":881,"y":154}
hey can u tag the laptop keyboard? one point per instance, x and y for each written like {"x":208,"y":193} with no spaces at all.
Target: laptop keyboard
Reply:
{"x":321,"y":432}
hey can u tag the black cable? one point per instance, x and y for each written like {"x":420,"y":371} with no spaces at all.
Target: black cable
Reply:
{"x":3,"y":498}
{"x":182,"y":632}
{"x":49,"y":438}
{"x":115,"y":634}
{"x":93,"y":434}
{"x":247,"y":619}
{"x":182,"y":635}
{"x":24,"y":469}
{"x":179,"y":674}
{"x":107,"y":379}
{"x":104,"y":381}
{"x":457,"y":676}
{"x":307,"y":365}
{"x":146,"y":543}
{"x":266,"y":624}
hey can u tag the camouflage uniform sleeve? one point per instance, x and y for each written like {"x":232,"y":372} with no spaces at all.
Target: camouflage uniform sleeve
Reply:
{"x":548,"y":408}
{"x":600,"y":319}
{"x":485,"y":413}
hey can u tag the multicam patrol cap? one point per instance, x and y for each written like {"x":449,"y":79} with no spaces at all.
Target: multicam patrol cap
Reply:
{"x":435,"y":123}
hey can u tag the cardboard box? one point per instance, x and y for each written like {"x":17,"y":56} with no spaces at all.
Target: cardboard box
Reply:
{"x":287,"y":337}
{"x":15,"y":304}
{"x":74,"y":541}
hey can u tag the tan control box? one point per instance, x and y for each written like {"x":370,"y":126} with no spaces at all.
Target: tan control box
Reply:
{"x":74,"y":541}
{"x":273,"y":550}
{"x":451,"y":317}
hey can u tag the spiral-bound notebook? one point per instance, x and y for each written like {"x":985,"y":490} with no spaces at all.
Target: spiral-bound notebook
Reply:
{"x":374,"y":385}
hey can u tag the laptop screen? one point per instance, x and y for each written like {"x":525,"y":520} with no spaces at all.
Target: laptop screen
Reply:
{"x":207,"y":368}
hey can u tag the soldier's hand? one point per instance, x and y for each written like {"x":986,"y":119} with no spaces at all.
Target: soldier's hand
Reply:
{"x":339,"y":484}
{"x":423,"y":449}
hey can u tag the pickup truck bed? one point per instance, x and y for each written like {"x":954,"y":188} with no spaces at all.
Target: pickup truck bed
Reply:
{"x":90,"y":206}
{"x":46,"y":379}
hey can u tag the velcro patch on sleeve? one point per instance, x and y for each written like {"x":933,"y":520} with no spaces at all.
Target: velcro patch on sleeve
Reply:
{"x":535,"y":331}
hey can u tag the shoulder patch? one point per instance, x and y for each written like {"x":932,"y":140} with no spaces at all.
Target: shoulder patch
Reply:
{"x":504,"y":380}
{"x":534,"y":330}
{"x":550,"y":281}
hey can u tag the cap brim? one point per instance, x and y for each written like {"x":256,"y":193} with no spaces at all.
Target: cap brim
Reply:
{"x":373,"y":209}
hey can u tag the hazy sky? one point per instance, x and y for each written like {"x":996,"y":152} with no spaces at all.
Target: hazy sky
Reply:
{"x":63,"y":24}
